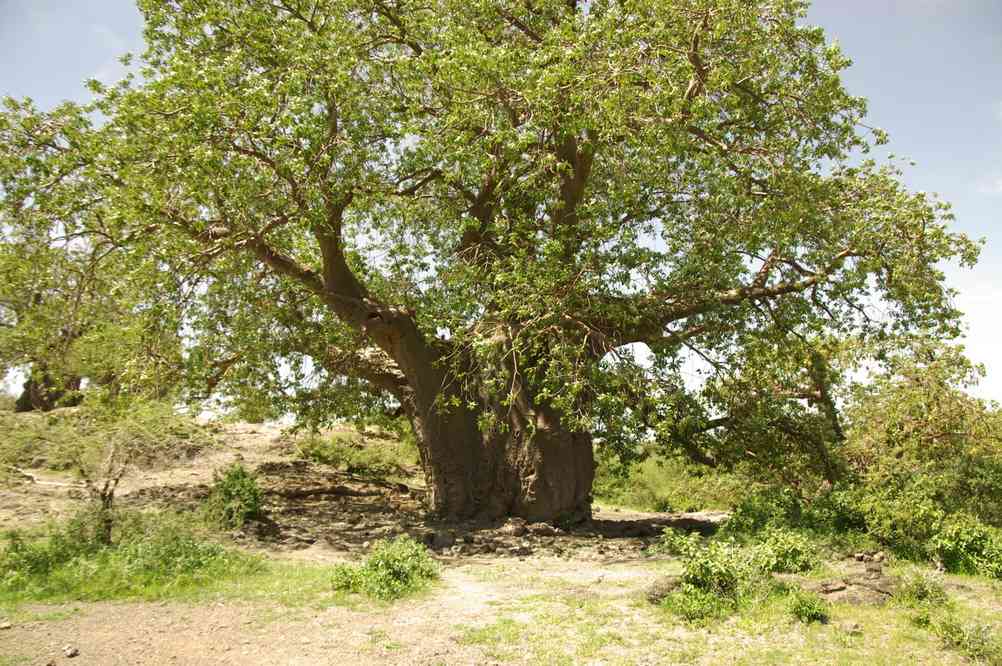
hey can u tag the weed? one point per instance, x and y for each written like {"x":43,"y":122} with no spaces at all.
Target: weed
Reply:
{"x":697,"y":606}
{"x":974,"y":640}
{"x":394,"y":569}
{"x":922,"y":589}
{"x":235,"y":497}
{"x":808,"y":607}
{"x":150,"y":556}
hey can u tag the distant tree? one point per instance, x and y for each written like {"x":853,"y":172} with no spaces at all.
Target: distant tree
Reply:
{"x":477,"y":211}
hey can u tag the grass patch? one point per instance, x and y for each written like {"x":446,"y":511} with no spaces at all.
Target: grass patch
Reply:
{"x":354,"y":453}
{"x":665,"y":484}
{"x":150,"y":557}
{"x":394,"y":570}
{"x":153,"y":433}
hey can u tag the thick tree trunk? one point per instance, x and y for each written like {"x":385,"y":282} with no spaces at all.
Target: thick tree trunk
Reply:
{"x":541,"y":473}
{"x":42,"y":393}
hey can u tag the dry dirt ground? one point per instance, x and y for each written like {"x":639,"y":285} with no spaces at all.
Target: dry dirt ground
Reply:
{"x":509,"y":593}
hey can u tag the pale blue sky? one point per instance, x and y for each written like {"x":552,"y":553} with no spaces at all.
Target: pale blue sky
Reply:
{"x":932,"y":70}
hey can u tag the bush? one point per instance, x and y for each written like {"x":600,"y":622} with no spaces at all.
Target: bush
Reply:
{"x":809,"y":607}
{"x":786,"y":551}
{"x":235,"y":497}
{"x":922,"y":589}
{"x":974,"y":640}
{"x":770,"y":508}
{"x":393,"y":570}
{"x":149,"y":556}
{"x":664,"y":485}
{"x":696,"y":606}
{"x":719,"y":568}
{"x":964,"y":545}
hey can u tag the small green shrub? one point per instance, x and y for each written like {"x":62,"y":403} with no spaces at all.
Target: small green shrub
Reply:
{"x":393,"y":570}
{"x":965,"y":545}
{"x":974,"y":640}
{"x":235,"y":497}
{"x":698,"y":606}
{"x":675,"y":542}
{"x":922,"y":589}
{"x":786,"y":551}
{"x":809,"y":607}
{"x":719,"y":568}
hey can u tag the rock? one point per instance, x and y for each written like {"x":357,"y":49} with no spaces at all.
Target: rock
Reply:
{"x":541,"y":529}
{"x":662,"y":587}
{"x":439,"y":540}
{"x":521,"y":551}
{"x":851,"y":628}
{"x":69,"y":651}
{"x":514,"y":527}
{"x":5,"y":624}
{"x":832,"y":586}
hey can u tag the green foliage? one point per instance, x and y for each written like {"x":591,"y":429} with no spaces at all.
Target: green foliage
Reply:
{"x":357,"y":453}
{"x":394,"y":569}
{"x":965,"y":545}
{"x":235,"y":497}
{"x":921,"y":589}
{"x":786,"y":551}
{"x":665,"y":484}
{"x":144,"y":434}
{"x":975,"y":640}
{"x":149,"y":556}
{"x":771,"y":507}
{"x":927,"y":454}
{"x":809,"y":607}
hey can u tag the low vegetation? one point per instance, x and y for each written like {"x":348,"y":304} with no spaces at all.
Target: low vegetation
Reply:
{"x":393,"y":570}
{"x":146,"y":434}
{"x":235,"y":497}
{"x":150,"y":556}
{"x":385,"y":456}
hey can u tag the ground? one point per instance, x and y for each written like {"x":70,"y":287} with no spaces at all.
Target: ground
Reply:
{"x":509,"y":593}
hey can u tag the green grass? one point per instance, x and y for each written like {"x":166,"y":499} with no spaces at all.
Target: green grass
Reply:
{"x":150,"y":557}
{"x":666,"y":484}
{"x":382,"y":457}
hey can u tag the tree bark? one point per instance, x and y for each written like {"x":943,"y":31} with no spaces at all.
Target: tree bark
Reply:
{"x":542,"y":472}
{"x":43,"y":393}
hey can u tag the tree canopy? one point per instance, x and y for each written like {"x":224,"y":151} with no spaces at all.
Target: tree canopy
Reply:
{"x":479,"y":212}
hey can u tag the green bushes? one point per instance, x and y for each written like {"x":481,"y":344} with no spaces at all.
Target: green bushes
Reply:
{"x":785,"y":551}
{"x":393,"y":570}
{"x":235,"y":497}
{"x":150,"y":556}
{"x":809,"y":607}
{"x":664,"y":484}
{"x":964,"y":545}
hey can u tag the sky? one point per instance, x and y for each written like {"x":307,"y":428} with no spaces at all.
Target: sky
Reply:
{"x":931,"y":69}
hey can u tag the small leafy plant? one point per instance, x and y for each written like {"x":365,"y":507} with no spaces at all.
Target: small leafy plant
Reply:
{"x":809,"y":607}
{"x":394,"y":569}
{"x":235,"y":497}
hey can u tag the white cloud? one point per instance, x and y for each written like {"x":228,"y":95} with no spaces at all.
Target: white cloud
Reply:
{"x":990,"y":185}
